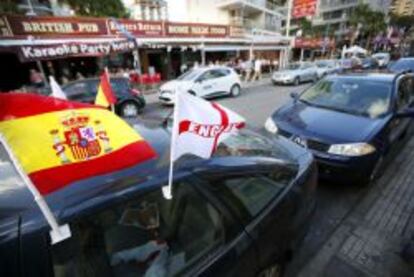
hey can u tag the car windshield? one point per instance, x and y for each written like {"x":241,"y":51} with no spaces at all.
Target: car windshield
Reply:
{"x":354,"y":96}
{"x":294,"y":66}
{"x":403,"y":65}
{"x":189,"y":75}
{"x":379,"y":56}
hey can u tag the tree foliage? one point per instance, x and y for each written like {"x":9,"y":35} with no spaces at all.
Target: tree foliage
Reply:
{"x":402,"y":21}
{"x":98,"y":8}
{"x":370,"y":23}
{"x":8,"y":6}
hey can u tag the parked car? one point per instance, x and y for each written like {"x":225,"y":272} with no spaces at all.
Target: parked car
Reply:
{"x":383,"y":59}
{"x":350,"y":122}
{"x":369,"y":63}
{"x":326,"y":67}
{"x":403,"y":64}
{"x":239,"y":213}
{"x":296,"y":73}
{"x":206,"y":82}
{"x":130,"y":103}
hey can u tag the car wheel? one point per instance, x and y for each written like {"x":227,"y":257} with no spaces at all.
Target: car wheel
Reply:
{"x":129,"y":109}
{"x":235,"y":90}
{"x":296,"y":81}
{"x":275,"y":270}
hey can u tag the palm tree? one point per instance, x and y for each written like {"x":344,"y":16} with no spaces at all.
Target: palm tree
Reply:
{"x":368,"y":21}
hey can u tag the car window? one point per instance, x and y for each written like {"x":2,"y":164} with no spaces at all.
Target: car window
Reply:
{"x":76,"y":89}
{"x":211,"y":74}
{"x":148,"y":236}
{"x":404,"y":93}
{"x":10,"y":179}
{"x":224,"y":72}
{"x":250,"y":194}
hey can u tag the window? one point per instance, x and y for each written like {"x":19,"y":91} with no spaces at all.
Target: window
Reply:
{"x":9,"y":178}
{"x":249,"y":194}
{"x":149,"y":236}
{"x":405,"y":93}
{"x":76,"y":89}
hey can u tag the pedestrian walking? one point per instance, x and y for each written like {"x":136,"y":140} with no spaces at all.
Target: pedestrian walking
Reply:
{"x":257,"y":70}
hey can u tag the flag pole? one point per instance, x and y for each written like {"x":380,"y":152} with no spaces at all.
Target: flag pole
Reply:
{"x":112,"y":106}
{"x":167,"y":190}
{"x":58,"y":232}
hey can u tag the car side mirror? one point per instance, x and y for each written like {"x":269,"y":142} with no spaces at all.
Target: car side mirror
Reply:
{"x":408,"y":112}
{"x":294,"y":95}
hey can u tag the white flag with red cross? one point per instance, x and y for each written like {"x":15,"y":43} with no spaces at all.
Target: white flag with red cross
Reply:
{"x":199,"y":127}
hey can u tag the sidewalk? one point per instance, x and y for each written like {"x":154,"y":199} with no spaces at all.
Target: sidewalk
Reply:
{"x":370,"y":240}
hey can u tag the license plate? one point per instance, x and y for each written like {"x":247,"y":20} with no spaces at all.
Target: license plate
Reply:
{"x":300,"y":141}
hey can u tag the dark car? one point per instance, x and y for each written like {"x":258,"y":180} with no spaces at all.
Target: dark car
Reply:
{"x":350,"y":122}
{"x":237,"y":214}
{"x":403,"y":64}
{"x":130,"y":102}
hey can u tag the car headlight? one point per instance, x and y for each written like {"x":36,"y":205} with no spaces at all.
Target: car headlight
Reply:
{"x":270,"y":126}
{"x":352,"y":149}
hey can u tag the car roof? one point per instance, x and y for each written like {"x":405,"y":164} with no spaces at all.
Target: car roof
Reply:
{"x":372,"y":76}
{"x":93,"y":79}
{"x":85,"y":194}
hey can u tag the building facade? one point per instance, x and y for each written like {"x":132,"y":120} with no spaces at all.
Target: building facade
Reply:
{"x":403,"y":7}
{"x":152,"y":10}
{"x":259,"y":16}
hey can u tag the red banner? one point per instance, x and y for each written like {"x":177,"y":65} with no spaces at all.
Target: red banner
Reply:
{"x":314,"y":43}
{"x":302,"y":8}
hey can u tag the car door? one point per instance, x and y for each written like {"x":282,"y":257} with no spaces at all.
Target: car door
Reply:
{"x":266,"y":207}
{"x":404,"y":96}
{"x":80,"y":92}
{"x":205,"y":84}
{"x":147,"y":235}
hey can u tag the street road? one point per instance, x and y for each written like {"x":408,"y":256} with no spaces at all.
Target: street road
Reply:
{"x":335,"y":201}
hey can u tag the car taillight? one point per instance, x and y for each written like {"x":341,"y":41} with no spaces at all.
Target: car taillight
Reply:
{"x":135,"y":92}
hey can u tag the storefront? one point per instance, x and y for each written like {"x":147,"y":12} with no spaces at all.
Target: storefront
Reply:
{"x":313,"y":48}
{"x":66,"y":47}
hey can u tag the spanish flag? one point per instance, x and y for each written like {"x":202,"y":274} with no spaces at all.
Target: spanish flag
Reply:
{"x":105,"y":96}
{"x":58,"y":142}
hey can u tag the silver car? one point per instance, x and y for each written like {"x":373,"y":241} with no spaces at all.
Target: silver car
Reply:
{"x":296,"y":73}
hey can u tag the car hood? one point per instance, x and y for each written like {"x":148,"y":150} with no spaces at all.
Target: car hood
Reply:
{"x":176,"y":85}
{"x":325,"y":125}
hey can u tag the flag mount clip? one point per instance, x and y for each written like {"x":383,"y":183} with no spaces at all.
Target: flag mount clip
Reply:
{"x":61,"y":233}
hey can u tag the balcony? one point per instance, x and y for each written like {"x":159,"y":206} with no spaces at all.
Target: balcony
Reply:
{"x":248,"y":6}
{"x":337,"y":5}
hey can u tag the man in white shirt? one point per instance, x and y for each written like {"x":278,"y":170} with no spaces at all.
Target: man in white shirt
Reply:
{"x":257,"y":70}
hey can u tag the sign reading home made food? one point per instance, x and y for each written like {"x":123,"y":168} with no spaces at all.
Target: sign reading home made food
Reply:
{"x":186,"y":29}
{"x":49,"y":27}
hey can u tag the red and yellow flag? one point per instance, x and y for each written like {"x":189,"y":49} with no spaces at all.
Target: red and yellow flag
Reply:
{"x":105,"y":96}
{"x":59,"y":142}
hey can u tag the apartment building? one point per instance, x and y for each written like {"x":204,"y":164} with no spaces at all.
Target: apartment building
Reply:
{"x":403,"y":7}
{"x":147,"y":9}
{"x":259,"y":16}
{"x":334,"y":14}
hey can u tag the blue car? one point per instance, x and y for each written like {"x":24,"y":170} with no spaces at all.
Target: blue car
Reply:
{"x":239,"y":213}
{"x":350,"y":122}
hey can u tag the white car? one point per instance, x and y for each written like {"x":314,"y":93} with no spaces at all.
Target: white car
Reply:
{"x":206,"y":82}
{"x":295,"y":74}
{"x":326,"y":67}
{"x":382,"y":58}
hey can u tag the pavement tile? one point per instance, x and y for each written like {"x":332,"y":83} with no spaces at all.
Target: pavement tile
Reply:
{"x":381,"y":224}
